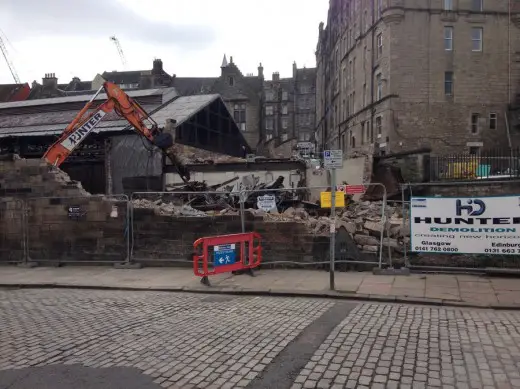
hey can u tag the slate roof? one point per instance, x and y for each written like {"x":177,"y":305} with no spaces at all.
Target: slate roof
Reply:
{"x":194,"y":85}
{"x":128,"y":77}
{"x":54,"y":122}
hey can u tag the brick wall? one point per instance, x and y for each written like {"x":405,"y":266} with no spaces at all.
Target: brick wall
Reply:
{"x":476,"y":190}
{"x":35,"y":218}
{"x":166,"y":238}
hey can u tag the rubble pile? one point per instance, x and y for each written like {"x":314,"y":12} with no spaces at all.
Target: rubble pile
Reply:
{"x":362,"y":220}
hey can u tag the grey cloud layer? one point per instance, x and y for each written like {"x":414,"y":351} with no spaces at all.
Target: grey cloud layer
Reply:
{"x":99,"y":18}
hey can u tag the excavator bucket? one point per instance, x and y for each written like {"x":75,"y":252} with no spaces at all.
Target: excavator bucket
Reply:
{"x":163,"y":140}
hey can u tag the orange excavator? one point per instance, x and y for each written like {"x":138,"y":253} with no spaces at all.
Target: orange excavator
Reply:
{"x":124,"y":106}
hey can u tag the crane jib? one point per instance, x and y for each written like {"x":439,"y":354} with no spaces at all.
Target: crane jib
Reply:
{"x":80,"y":133}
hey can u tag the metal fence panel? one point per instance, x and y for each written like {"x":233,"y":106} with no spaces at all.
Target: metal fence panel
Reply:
{"x":166,"y":224}
{"x":297,"y":230}
{"x":78,"y":229}
{"x":12,"y":231}
{"x":490,"y":164}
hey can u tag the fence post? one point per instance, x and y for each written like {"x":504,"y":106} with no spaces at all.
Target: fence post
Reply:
{"x":383,"y":223}
{"x":242,"y":209}
{"x":129,"y":233}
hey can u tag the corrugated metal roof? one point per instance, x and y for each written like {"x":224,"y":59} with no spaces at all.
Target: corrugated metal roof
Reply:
{"x":72,"y":99}
{"x":179,"y":109}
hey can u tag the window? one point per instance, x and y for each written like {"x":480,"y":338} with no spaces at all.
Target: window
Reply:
{"x":379,"y":126}
{"x":379,"y":85}
{"x":448,"y":38}
{"x":448,"y":83}
{"x":269,"y":110}
{"x":269,"y":95}
{"x":268,"y":137}
{"x":476,"y":38}
{"x":269,"y":124}
{"x":448,"y":5}
{"x":363,"y":133}
{"x":474,"y":122}
{"x":284,"y":109}
{"x":493,"y":118}
{"x":302,"y":102}
{"x":474,"y":150}
{"x":239,"y":114}
{"x":231,"y":81}
{"x":305,"y":89}
{"x":379,"y":45}
{"x":285,"y":123}
{"x":364,"y":95}
{"x":284,"y":137}
{"x":285,"y":96}
{"x":477,"y":5}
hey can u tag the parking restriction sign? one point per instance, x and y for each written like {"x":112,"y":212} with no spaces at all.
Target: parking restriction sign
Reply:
{"x":333,"y":159}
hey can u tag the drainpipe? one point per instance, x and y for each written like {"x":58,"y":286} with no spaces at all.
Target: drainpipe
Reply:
{"x":372,"y":72}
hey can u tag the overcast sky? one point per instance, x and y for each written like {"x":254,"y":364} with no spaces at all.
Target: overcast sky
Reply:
{"x":71,"y":37}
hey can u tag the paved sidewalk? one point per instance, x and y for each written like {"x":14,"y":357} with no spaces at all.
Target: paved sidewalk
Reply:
{"x":458,"y":290}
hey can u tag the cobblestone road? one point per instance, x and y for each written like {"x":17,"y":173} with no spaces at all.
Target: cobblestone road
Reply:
{"x":168,"y":340}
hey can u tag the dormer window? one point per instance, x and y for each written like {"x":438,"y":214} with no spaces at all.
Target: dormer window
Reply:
{"x":231,"y":80}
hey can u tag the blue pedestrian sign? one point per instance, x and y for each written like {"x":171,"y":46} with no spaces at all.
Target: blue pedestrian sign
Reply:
{"x":224,"y":254}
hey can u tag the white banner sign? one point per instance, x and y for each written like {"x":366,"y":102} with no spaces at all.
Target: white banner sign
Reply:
{"x":266,"y":202}
{"x":464,"y":225}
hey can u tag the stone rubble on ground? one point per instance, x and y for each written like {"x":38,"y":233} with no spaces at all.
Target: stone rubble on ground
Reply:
{"x":362,"y":220}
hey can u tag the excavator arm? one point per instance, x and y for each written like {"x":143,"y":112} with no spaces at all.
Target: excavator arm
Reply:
{"x":119,"y":102}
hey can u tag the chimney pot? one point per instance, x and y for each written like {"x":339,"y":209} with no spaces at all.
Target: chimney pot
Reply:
{"x":231,"y":59}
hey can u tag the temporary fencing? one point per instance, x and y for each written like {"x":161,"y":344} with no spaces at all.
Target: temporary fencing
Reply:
{"x":226,"y":253}
{"x":296,"y":227}
{"x":86,"y":229}
{"x":161,"y":227}
{"x":442,"y":245}
{"x":166,"y":224}
{"x":12,"y":231}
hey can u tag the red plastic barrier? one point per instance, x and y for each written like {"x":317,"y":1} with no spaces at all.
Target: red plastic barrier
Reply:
{"x":223,"y":255}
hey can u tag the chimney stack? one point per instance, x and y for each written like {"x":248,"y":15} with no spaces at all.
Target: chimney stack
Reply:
{"x":276,"y":76}
{"x":50,"y":81}
{"x":294,"y":69}
{"x":260,"y":70}
{"x":157,"y":67}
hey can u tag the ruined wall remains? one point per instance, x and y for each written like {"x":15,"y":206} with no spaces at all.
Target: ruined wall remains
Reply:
{"x":46,"y":217}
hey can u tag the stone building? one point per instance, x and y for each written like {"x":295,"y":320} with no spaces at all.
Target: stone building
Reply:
{"x":243,"y":95}
{"x":50,"y":87}
{"x":290,"y":106}
{"x":398,"y":75}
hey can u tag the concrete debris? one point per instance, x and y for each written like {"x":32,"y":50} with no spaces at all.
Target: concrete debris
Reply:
{"x":168,"y":209}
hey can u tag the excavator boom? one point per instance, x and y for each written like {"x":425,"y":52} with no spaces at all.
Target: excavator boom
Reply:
{"x":124,"y":106}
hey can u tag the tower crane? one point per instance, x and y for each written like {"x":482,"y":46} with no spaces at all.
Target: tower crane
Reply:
{"x":9,"y":63}
{"x":119,"y":49}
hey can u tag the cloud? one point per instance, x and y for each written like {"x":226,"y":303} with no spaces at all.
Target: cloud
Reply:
{"x":96,"y":18}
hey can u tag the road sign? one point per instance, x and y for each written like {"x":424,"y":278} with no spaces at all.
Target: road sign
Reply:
{"x":333,"y":159}
{"x":355,"y":189}
{"x":266,"y":202}
{"x":224,"y":255}
{"x":326,"y":199}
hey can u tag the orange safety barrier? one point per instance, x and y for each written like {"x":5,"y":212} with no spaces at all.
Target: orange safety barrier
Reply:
{"x":223,"y":255}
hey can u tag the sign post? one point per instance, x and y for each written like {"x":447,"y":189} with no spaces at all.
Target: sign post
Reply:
{"x":332,"y":160}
